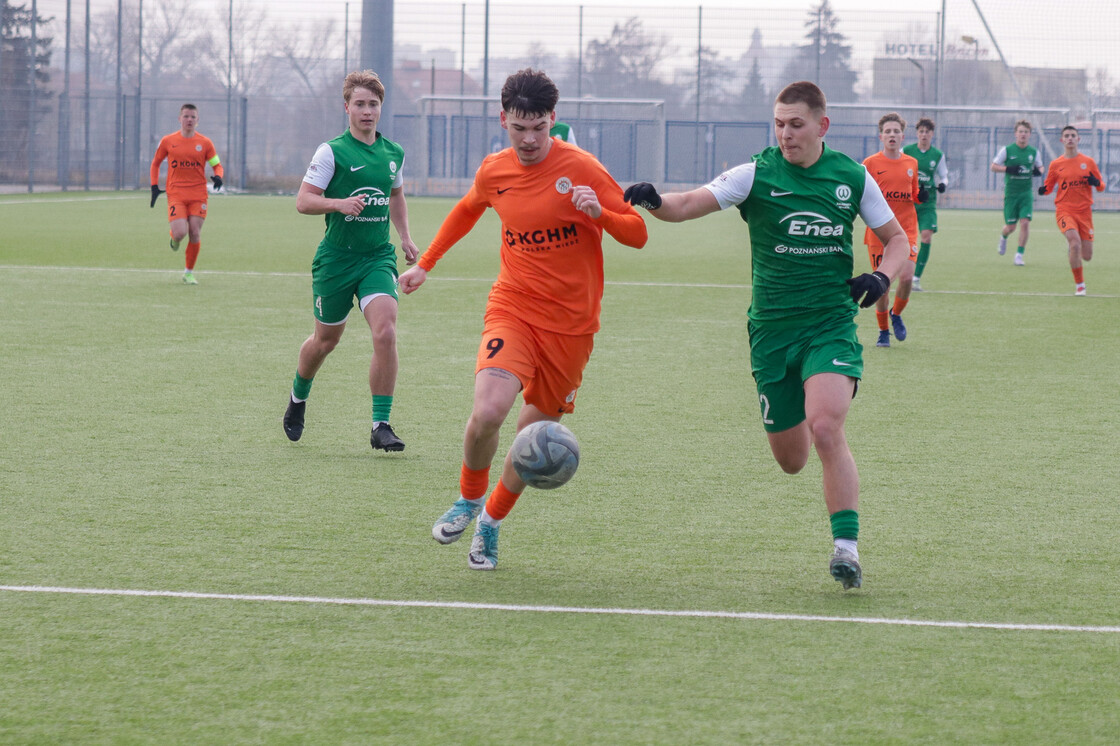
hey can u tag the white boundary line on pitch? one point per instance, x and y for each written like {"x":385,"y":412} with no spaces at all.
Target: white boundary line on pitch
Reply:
{"x":462,"y":605}
{"x":490,"y":280}
{"x":49,"y":201}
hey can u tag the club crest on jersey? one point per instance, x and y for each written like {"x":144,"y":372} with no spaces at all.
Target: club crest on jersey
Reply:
{"x":198,"y":148}
{"x":910,"y":172}
{"x":843,"y":194}
{"x":1084,"y":166}
{"x":392,"y":167}
{"x":563,"y":185}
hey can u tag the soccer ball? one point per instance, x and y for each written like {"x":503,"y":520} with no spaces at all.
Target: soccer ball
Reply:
{"x":545,"y":454}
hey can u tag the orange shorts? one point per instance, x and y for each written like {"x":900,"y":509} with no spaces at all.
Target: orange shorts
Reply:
{"x":1082,"y":222}
{"x":548,"y":364}
{"x":182,"y":205}
{"x":875,"y":249}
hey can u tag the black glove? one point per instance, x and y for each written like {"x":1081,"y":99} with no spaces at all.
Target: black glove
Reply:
{"x":1036,"y":171}
{"x":941,"y":187}
{"x":1012,"y":170}
{"x":642,"y":194}
{"x":870,"y":287}
{"x":1042,"y":189}
{"x":923,"y":195}
{"x":1094,"y":181}
{"x":156,"y":191}
{"x":217,"y":182}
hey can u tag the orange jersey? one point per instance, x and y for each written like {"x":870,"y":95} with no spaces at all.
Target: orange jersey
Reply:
{"x":898,"y":180}
{"x":551,"y":273}
{"x":1071,"y":177}
{"x":186,"y":162}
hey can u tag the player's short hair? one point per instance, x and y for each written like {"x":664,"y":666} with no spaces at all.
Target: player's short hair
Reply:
{"x":1069,"y":127}
{"x":192,"y":107}
{"x":530,"y":93}
{"x":925,"y":122}
{"x":1023,"y":123}
{"x":363,"y":79}
{"x":803,"y":92}
{"x":893,"y":116}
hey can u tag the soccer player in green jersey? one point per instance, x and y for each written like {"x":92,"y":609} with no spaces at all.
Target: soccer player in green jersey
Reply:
{"x":563,"y":131}
{"x":933,"y":175}
{"x":1019,"y":162}
{"x":355,"y":180}
{"x":799,"y":201}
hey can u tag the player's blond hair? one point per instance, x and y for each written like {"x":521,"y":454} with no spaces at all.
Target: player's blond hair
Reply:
{"x":803,"y":92}
{"x":1023,"y":123}
{"x":892,"y":117}
{"x":363,"y":79}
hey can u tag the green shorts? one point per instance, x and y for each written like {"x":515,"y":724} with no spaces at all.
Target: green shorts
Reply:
{"x":927,"y":216}
{"x":1018,"y":207}
{"x":338,"y":277}
{"x":782,"y":359}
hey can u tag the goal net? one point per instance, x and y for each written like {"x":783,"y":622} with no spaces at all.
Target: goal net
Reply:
{"x":455,"y":133}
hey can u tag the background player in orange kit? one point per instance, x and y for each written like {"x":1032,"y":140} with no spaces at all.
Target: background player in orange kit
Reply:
{"x":554,"y":200}
{"x":1075,"y":175}
{"x":187,"y":153}
{"x":897,"y":176}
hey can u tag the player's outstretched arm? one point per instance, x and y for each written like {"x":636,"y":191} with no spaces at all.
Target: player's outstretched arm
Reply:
{"x":675,"y":207}
{"x":896,"y":247}
{"x":617,"y":217}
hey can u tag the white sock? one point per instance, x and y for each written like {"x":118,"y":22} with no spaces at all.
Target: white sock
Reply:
{"x":295,"y":400}
{"x":488,"y":520}
{"x":849,"y":544}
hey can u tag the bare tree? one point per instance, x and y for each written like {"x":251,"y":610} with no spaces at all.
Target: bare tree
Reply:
{"x":301,"y":47}
{"x":625,"y":64}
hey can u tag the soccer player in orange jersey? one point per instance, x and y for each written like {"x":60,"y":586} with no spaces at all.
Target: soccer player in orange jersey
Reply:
{"x":554,"y":200}
{"x":897,"y":176}
{"x":187,"y":153}
{"x":1074,"y":176}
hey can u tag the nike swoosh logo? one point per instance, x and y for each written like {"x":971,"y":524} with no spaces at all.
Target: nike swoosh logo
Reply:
{"x":837,"y":362}
{"x":880,"y":173}
{"x":503,"y":191}
{"x":779,"y":194}
{"x":449,"y":534}
{"x":356,"y":168}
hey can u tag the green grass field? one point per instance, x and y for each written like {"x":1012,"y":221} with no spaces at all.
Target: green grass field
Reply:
{"x":142,"y":451}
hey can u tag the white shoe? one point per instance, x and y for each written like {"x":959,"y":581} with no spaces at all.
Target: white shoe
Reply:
{"x":1019,"y":261}
{"x":917,"y":285}
{"x":1080,"y":290}
{"x":844,"y":567}
{"x":1003,"y":245}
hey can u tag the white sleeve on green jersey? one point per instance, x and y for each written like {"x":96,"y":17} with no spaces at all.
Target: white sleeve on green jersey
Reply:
{"x":873,"y":207}
{"x":733,"y":186}
{"x":942,"y":175}
{"x":1001,"y":156}
{"x":321,"y":170}
{"x":398,"y":180}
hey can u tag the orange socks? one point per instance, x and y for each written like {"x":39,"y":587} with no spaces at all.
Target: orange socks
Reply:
{"x":501,"y":502}
{"x":882,"y":318}
{"x":898,"y":306}
{"x":192,"y":254}
{"x":473,"y":482}
{"x":1079,"y":275}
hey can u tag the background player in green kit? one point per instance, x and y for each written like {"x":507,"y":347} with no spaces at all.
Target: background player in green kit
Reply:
{"x":355,"y":180}
{"x":800,"y":200}
{"x":1019,"y":161}
{"x":933,"y":175}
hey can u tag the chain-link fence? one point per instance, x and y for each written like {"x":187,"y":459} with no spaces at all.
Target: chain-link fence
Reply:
{"x":88,"y":91}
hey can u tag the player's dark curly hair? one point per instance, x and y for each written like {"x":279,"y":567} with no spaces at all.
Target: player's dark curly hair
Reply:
{"x":925,"y":123}
{"x":529,"y":93}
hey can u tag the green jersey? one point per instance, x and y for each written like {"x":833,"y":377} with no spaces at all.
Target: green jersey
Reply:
{"x":800,"y":225}
{"x":1026,"y":158}
{"x":931,"y":169}
{"x":345,"y":167}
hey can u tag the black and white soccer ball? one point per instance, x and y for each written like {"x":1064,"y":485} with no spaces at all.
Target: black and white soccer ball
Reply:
{"x":545,"y":455}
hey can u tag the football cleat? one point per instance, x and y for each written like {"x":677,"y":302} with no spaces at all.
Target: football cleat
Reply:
{"x":899,"y":327}
{"x":1003,"y":245}
{"x":1080,"y":289}
{"x":484,"y":547}
{"x":454,"y":522}
{"x":1019,"y":260}
{"x":382,"y":438}
{"x":844,"y":567}
{"x":917,"y":286}
{"x":884,"y":338}
{"x":189,"y":279}
{"x":293,"y":419}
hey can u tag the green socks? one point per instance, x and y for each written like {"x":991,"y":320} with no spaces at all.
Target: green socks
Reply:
{"x":923,"y":257}
{"x":845,"y":524}
{"x":382,"y":406}
{"x":301,"y":387}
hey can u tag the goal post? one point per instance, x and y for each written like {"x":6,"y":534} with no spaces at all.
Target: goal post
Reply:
{"x":454,"y":134}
